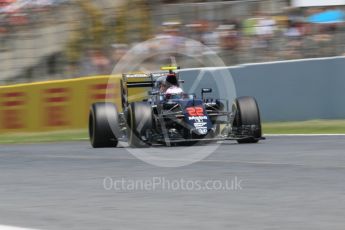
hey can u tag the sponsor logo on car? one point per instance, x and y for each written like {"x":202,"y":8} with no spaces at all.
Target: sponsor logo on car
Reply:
{"x":200,"y":124}
{"x":198,"y":119}
{"x":137,"y":75}
{"x":202,"y":131}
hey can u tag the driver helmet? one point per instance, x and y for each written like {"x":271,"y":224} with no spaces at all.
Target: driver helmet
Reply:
{"x":171,"y":80}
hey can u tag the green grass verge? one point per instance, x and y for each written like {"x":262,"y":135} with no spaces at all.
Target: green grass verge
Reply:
{"x":58,"y":136}
{"x":303,"y":127}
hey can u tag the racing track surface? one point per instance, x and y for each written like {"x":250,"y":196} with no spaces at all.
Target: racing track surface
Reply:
{"x":287,"y":183}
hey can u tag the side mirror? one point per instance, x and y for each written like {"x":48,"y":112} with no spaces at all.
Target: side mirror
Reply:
{"x":205,"y":90}
{"x":152,"y":93}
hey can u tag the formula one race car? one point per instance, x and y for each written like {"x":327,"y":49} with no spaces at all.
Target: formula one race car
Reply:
{"x":171,"y":117}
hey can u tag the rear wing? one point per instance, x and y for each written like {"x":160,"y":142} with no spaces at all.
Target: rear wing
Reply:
{"x":137,"y":80}
{"x":135,"y":86}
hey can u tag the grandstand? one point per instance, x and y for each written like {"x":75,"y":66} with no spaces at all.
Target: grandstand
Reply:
{"x":72,"y":38}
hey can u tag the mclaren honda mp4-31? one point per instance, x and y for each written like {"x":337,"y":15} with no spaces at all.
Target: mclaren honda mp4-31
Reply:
{"x":171,"y":118}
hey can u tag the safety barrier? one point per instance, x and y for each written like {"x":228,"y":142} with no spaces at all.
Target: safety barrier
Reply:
{"x":55,"y":105}
{"x":295,"y":90}
{"x":285,"y":91}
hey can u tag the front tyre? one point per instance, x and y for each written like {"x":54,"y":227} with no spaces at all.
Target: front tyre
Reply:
{"x":247,"y":119}
{"x":103,"y":125}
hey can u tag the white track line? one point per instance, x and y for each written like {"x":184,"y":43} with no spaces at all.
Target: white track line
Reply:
{"x":5,"y":227}
{"x":304,"y":135}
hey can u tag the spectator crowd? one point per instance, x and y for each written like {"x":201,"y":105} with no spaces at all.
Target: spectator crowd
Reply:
{"x":97,"y":42}
{"x":259,"y":38}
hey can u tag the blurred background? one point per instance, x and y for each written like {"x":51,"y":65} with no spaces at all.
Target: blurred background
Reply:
{"x":59,"y":39}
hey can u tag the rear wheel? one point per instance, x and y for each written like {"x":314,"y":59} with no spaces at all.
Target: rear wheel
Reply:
{"x":139,"y":118}
{"x":247,"y":116}
{"x":103,"y":125}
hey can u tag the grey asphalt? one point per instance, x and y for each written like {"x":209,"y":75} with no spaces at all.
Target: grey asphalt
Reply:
{"x":286,"y":183}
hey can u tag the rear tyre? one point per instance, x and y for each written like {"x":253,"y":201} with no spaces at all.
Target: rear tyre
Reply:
{"x":247,"y":114}
{"x":139,"y":119}
{"x":103,"y":125}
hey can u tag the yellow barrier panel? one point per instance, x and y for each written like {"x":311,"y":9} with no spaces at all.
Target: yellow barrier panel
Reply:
{"x":54,"y":105}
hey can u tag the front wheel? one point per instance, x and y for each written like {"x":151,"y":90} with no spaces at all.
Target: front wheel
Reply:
{"x":247,"y":119}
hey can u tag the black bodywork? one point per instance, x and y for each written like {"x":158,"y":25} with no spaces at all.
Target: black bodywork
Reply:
{"x":184,"y":118}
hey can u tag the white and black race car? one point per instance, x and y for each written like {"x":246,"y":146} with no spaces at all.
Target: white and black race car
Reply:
{"x":171,"y":119}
